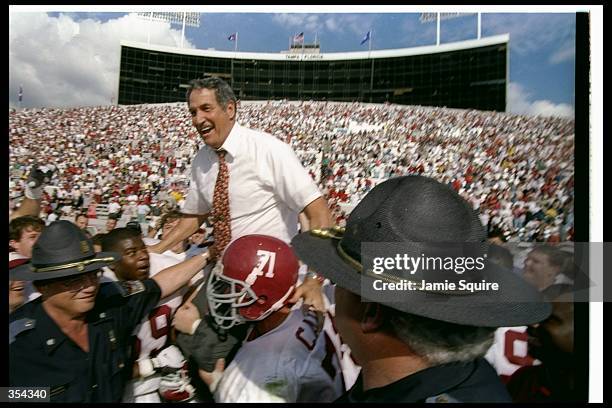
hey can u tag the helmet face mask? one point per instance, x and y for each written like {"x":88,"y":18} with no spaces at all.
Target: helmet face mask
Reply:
{"x":225,"y":297}
{"x":257,"y":276}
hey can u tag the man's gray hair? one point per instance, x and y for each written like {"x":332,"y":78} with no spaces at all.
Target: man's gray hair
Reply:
{"x":223,"y":92}
{"x":440,"y":342}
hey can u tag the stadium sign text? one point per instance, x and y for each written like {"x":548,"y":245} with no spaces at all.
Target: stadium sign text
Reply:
{"x":301,"y":57}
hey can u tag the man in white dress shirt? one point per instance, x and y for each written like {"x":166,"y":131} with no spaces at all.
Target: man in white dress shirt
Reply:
{"x":268,"y":187}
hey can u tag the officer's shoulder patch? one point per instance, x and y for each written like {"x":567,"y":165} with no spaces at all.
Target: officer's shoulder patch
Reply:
{"x":129,"y":288}
{"x":441,"y":398}
{"x":19,"y":326}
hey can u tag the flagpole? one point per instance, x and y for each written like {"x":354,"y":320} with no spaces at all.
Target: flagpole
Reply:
{"x":149,"y":28}
{"x":236,"y":45}
{"x":438,"y":29}
{"x":372,"y":66}
{"x":183,"y":31}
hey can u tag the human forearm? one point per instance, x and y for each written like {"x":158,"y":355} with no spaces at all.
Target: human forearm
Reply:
{"x":28,"y":206}
{"x":173,"y":278}
{"x":318,"y":214}
{"x":185,"y":228}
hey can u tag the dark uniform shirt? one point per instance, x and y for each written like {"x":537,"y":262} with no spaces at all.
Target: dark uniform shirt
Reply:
{"x":41,"y":355}
{"x":475,"y":381}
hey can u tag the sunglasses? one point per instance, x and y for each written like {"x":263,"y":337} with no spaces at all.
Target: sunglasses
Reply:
{"x":82,"y":281}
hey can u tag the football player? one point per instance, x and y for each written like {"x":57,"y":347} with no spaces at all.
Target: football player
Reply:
{"x":287,"y":356}
{"x":159,"y":369}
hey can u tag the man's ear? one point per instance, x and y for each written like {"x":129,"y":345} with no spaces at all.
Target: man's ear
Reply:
{"x":231,"y":110}
{"x":372,"y":318}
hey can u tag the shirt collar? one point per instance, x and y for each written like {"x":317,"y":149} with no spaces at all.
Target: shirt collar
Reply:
{"x":232,"y":142}
{"x":50,"y":334}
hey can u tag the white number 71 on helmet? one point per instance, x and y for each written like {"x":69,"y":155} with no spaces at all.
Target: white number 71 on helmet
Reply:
{"x":265,"y":257}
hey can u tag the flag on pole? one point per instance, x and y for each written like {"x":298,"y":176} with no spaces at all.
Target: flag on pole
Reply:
{"x":232,"y":37}
{"x":298,"y":38}
{"x":20,"y":92}
{"x":366,"y":38}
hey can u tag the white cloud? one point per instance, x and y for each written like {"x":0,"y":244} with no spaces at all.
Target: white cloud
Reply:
{"x":519,"y":103}
{"x":336,"y":23}
{"x":62,"y":62}
{"x":300,"y":22}
{"x":567,"y":52}
{"x":332,"y":25}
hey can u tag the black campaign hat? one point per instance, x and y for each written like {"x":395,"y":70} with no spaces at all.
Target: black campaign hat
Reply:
{"x":420,"y":213}
{"x":62,"y":250}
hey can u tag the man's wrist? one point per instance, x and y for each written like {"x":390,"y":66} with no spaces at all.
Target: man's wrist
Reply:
{"x":33,"y":193}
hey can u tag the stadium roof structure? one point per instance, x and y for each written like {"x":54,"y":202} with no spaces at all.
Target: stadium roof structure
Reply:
{"x":470,"y":74}
{"x":332,"y":56}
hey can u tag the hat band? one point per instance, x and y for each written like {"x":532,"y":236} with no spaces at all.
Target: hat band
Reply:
{"x":79,"y":265}
{"x":355,"y":264}
{"x":335,"y":233}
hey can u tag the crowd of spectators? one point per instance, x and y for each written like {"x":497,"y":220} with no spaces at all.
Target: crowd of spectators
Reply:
{"x":516,"y":170}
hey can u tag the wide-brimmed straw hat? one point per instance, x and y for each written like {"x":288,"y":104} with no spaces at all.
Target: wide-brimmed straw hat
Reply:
{"x":421,"y":217}
{"x":62,"y":250}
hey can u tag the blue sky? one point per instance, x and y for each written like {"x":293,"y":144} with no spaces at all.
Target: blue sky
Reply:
{"x":541,"y":47}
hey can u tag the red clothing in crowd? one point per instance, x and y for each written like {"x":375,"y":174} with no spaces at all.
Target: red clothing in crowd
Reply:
{"x":533,"y":384}
{"x":456,"y":185}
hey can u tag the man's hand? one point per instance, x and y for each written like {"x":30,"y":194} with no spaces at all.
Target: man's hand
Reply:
{"x":185,"y":317}
{"x":170,"y":357}
{"x":310,"y":291}
{"x":38,"y":177}
{"x":212,"y":379}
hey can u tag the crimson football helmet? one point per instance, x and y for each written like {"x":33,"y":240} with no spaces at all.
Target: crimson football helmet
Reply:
{"x":254,"y":279}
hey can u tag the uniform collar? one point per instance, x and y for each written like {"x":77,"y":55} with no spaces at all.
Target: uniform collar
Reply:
{"x":416,"y":387}
{"x":50,"y":334}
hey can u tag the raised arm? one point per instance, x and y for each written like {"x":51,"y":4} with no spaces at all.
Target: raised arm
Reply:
{"x":184,"y":229}
{"x":318,"y":214}
{"x":175,"y":277}
{"x":28,"y":206}
{"x":38,"y":177}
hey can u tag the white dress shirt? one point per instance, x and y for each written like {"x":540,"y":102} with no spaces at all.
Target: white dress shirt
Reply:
{"x":268,"y":186}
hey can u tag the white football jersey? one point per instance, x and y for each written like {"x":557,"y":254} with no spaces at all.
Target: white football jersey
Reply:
{"x":152,"y":333}
{"x":350,"y":369}
{"x":295,"y":362}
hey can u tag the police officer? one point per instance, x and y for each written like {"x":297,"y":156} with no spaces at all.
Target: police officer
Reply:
{"x":416,"y":342}
{"x":75,"y":338}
